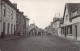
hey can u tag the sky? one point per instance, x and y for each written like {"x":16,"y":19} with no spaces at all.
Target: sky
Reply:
{"x":41,"y":12}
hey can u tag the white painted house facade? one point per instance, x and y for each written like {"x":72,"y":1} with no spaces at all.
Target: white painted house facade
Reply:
{"x":56,"y":26}
{"x":71,"y":21}
{"x":8,"y":15}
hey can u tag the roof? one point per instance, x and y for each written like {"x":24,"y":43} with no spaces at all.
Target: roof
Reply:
{"x":61,"y":20}
{"x":27,"y":18}
{"x":58,"y":19}
{"x":54,"y":19}
{"x":9,"y":3}
{"x":71,"y":8}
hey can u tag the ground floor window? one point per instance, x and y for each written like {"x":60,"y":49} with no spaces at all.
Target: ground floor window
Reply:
{"x":69,"y":29}
{"x":62,"y":30}
{"x":4,"y":27}
{"x":11,"y":28}
{"x":8,"y":25}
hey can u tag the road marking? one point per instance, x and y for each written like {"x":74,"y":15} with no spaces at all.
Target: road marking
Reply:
{"x":0,"y":49}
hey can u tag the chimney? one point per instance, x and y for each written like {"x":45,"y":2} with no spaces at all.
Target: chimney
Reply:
{"x":18,"y":9}
{"x":22,"y":12}
{"x":15,"y":4}
{"x":25,"y":16}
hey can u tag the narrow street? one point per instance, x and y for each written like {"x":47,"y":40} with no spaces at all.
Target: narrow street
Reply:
{"x":39,"y":43}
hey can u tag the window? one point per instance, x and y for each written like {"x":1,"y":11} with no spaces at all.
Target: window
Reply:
{"x":14,"y":28}
{"x":66,"y":17}
{"x":11,"y":28}
{"x":69,"y":29}
{"x":8,"y":13}
{"x":4,"y":11}
{"x":11,"y":14}
{"x":8,"y":28}
{"x":63,"y":30}
{"x":14,"y":14}
{"x":4,"y":27}
{"x":74,"y":13}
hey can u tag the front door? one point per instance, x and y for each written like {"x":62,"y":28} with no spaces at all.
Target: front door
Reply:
{"x":4,"y":27}
{"x":76,"y":31}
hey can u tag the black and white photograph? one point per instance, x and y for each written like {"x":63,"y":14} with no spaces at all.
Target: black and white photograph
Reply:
{"x":39,"y":25}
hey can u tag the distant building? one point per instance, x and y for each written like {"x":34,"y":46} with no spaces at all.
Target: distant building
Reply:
{"x":49,"y":29}
{"x":20,"y":23}
{"x":27,"y":25}
{"x":33,"y":29}
{"x":56,"y":26}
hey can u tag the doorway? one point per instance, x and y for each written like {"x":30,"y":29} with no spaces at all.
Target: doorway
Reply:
{"x":76,"y":30}
{"x":4,"y":27}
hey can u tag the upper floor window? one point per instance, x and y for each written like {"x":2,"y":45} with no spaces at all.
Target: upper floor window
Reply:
{"x":66,"y":17}
{"x":8,"y":13}
{"x":11,"y":14}
{"x":4,"y":11}
{"x":74,"y":13}
{"x":14,"y":15}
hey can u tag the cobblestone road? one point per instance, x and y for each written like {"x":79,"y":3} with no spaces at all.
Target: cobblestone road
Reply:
{"x":39,"y":43}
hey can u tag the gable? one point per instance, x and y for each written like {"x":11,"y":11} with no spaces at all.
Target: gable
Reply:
{"x":66,"y":14}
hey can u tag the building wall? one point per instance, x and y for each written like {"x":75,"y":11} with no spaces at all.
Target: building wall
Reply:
{"x":20,"y":23}
{"x":27,"y":22}
{"x":66,"y":17}
{"x":0,"y":28}
{"x":56,"y":26}
{"x":74,"y":22}
{"x":74,"y":31}
{"x":0,"y":17}
{"x":8,"y":18}
{"x":31,"y":26}
{"x":0,"y":9}
{"x":27,"y":26}
{"x":78,"y":29}
{"x":59,"y":31}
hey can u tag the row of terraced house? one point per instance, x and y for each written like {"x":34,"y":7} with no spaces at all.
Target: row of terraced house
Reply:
{"x":69,"y":25}
{"x":12,"y":21}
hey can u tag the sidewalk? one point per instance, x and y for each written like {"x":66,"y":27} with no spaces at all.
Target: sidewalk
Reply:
{"x":11,"y":38}
{"x":69,"y":39}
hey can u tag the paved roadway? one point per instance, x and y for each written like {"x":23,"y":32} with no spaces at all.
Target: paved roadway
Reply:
{"x":39,"y":43}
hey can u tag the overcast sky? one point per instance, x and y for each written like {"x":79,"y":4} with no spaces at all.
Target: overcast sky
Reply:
{"x":42,"y":11}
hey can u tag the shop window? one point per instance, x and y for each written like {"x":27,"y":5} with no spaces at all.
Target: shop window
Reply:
{"x":69,"y":29}
{"x":8,"y":28}
{"x":11,"y":28}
